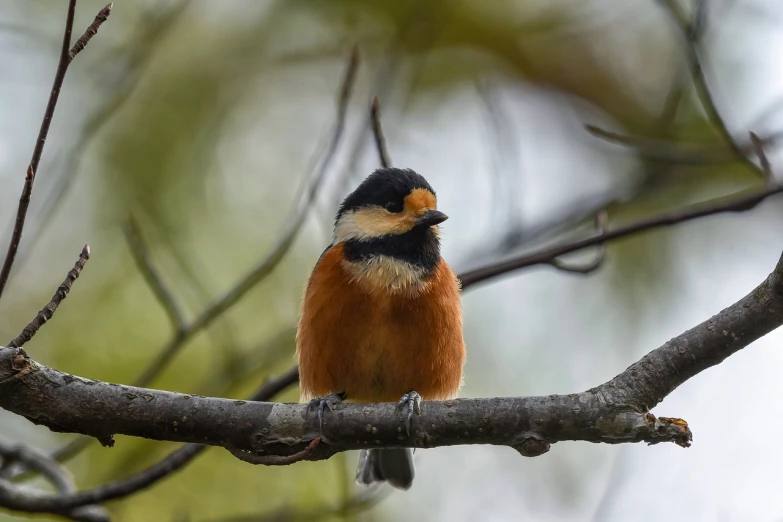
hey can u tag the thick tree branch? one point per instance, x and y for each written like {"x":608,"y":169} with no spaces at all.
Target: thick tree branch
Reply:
{"x":162,"y":469}
{"x":614,"y":412}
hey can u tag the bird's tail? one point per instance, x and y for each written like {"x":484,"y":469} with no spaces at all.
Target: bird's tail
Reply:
{"x":393,"y":465}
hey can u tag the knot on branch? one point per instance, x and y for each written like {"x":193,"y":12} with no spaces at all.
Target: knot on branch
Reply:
{"x":532,"y":447}
{"x":18,"y":365}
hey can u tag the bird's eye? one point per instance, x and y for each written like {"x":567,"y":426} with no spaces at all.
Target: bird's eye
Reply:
{"x":393,"y":206}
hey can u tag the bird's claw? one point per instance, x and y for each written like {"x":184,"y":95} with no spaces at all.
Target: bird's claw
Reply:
{"x":413,"y":401}
{"x":319,"y":403}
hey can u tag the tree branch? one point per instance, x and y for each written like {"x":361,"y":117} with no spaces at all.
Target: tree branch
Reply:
{"x":55,"y":475}
{"x":601,"y":221}
{"x":32,"y":169}
{"x":678,"y":152}
{"x":162,"y":469}
{"x":546,"y":256}
{"x":141,"y":256}
{"x":614,"y":412}
{"x":91,"y":31}
{"x":377,"y":132}
{"x":47,"y":312}
{"x":294,"y":223}
{"x":692,"y":31}
{"x":766,"y":166}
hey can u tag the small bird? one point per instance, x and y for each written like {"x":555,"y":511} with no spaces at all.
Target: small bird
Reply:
{"x":382,"y":318}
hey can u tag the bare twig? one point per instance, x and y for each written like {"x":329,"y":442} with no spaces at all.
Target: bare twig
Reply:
{"x":49,"y":468}
{"x":601,"y":221}
{"x":545,"y":256}
{"x":154,"y":26}
{"x":377,"y":132}
{"x":91,"y":31}
{"x":692,"y":31}
{"x":686,"y":154}
{"x":141,"y":256}
{"x":269,"y":263}
{"x":54,"y":474}
{"x":275,"y":460}
{"x":47,"y":311}
{"x":16,"y":235}
{"x":758,"y":146}
{"x":671,"y":105}
{"x":32,"y":169}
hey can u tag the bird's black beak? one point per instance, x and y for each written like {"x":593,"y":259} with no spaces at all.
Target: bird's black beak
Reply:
{"x":430,"y":218}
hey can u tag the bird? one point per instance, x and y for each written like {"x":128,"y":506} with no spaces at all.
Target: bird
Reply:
{"x":381,"y":319}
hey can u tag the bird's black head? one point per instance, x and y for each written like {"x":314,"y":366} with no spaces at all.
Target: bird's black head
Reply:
{"x":393,"y":213}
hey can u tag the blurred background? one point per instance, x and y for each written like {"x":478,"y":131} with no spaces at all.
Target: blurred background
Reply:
{"x":206,"y":123}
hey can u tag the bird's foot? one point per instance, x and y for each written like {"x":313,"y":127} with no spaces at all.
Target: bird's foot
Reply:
{"x":320,"y":403}
{"x":413,"y":402}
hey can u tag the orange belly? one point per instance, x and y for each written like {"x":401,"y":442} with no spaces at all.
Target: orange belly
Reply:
{"x":375,"y":347}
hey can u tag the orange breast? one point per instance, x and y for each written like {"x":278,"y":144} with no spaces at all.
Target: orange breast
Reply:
{"x":374,"y":346}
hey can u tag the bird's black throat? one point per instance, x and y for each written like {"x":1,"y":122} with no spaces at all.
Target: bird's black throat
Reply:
{"x":419,"y":247}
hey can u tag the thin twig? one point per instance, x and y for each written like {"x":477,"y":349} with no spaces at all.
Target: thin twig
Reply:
{"x":91,"y":31}
{"x":16,"y":235}
{"x":49,"y":468}
{"x":141,"y":256}
{"x":294,"y":223}
{"x":545,"y":256}
{"x":601,"y":222}
{"x":47,"y":311}
{"x":692,"y":32}
{"x":275,"y":460}
{"x":377,"y":132}
{"x":55,"y":475}
{"x":766,"y":166}
{"x":506,"y":179}
{"x":686,"y":154}
{"x":671,"y":105}
{"x":152,"y":28}
{"x":32,"y":169}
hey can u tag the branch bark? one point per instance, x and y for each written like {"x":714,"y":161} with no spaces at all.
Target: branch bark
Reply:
{"x":614,"y":412}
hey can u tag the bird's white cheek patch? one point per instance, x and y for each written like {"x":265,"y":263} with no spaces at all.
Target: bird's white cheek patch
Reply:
{"x":369,"y":223}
